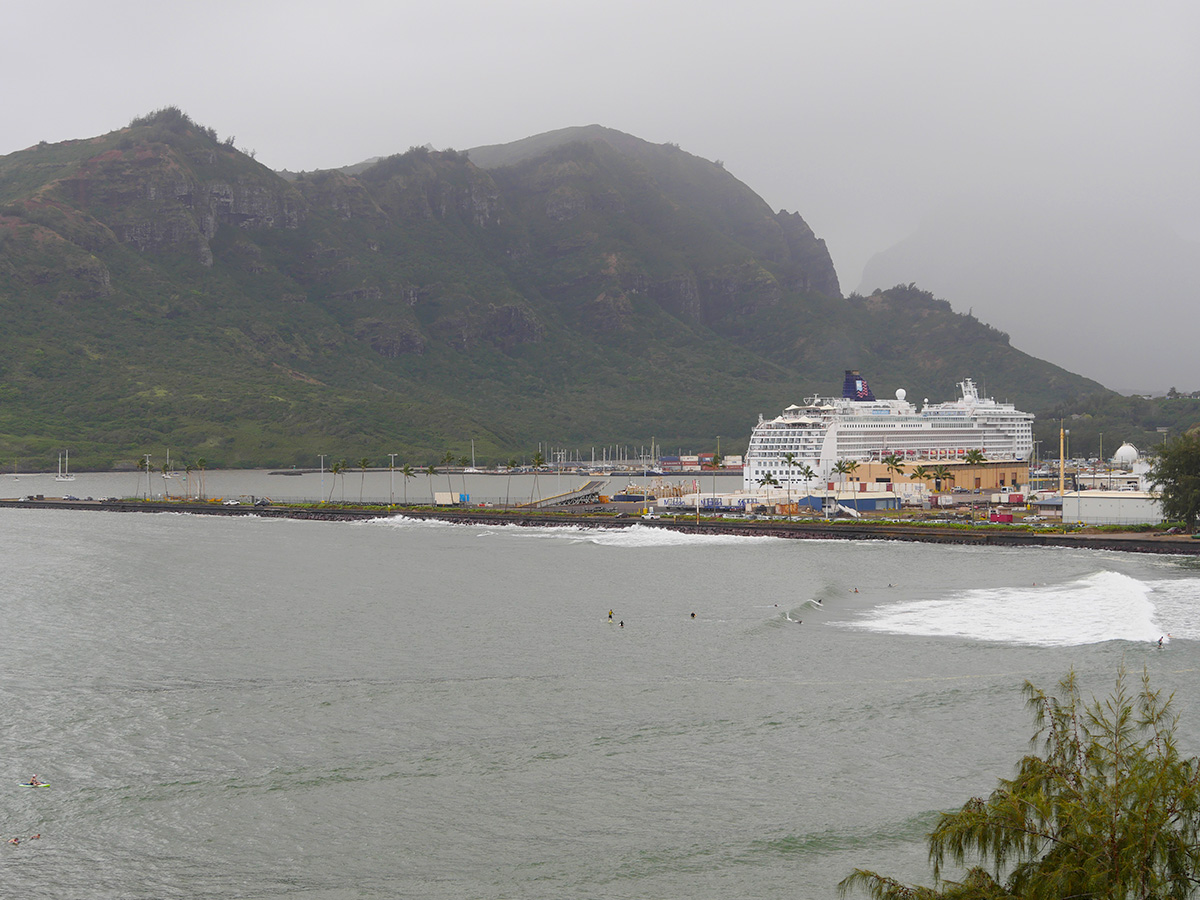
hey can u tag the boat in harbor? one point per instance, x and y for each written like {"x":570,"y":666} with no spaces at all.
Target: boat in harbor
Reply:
{"x":64,"y":474}
{"x":856,"y":426}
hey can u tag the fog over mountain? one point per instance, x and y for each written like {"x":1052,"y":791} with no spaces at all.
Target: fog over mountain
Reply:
{"x":864,"y":116}
{"x":1100,"y":290}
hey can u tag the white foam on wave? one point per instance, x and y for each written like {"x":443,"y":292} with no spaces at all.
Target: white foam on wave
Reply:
{"x":633,"y":536}
{"x":1175,"y":607}
{"x":412,"y":522}
{"x":1106,"y":606}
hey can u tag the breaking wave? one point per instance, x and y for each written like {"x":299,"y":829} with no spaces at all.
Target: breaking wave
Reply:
{"x":1105,"y":606}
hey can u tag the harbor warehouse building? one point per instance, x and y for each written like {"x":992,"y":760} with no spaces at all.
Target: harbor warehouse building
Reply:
{"x":1112,"y":508}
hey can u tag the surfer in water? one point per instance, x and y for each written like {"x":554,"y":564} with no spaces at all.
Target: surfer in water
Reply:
{"x":610,"y":615}
{"x":1160,"y":640}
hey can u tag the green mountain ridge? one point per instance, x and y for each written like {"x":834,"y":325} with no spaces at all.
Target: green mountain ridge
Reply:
{"x":582,"y":288}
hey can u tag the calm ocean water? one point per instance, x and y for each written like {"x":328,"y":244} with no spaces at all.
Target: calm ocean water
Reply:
{"x":258,"y":709}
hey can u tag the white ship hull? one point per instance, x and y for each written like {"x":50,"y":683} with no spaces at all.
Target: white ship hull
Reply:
{"x":858,"y":427}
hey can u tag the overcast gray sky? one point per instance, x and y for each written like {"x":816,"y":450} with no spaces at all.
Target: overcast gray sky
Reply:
{"x":862,"y":116}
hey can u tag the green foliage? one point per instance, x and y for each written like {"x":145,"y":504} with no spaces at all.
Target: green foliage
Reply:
{"x":1109,"y":808}
{"x":1176,"y":473}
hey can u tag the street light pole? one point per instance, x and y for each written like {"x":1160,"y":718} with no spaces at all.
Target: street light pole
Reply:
{"x":322,"y":455}
{"x":392,"y":473}
{"x":716,"y":465}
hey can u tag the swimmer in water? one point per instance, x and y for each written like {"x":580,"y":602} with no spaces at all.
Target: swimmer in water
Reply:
{"x":693,"y":615}
{"x":610,"y":615}
{"x":622,"y":623}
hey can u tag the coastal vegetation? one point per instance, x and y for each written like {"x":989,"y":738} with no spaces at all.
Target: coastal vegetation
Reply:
{"x":1176,"y":475}
{"x":1108,"y":807}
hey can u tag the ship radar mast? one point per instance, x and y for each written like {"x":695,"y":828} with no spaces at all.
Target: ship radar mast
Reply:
{"x":969,"y":391}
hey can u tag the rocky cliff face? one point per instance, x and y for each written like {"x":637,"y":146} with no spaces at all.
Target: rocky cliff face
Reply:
{"x":808,"y":266}
{"x":157,"y":195}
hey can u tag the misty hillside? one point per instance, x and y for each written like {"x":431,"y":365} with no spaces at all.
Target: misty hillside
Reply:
{"x":1099,"y":291}
{"x":162,"y":289}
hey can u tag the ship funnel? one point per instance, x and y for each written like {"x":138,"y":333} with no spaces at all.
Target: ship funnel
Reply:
{"x":855,"y":387}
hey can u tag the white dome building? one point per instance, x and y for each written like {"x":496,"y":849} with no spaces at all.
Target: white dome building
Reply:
{"x":1126,"y":456}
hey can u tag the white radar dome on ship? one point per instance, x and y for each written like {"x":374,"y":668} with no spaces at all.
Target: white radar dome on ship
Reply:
{"x":1126,"y":455}
{"x":901,"y":393}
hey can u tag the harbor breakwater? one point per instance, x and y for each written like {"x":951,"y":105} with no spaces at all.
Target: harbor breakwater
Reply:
{"x":981,"y":535}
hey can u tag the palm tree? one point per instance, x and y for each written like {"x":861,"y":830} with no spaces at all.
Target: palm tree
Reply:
{"x":538,"y":461}
{"x":143,"y":466}
{"x":846,"y":467}
{"x":941,"y":473}
{"x":808,"y":474}
{"x":974,"y":458}
{"x":895,"y":465}
{"x":768,"y":481}
{"x":922,"y":473}
{"x":464,"y":461}
{"x":851,"y":468}
{"x":406,"y":471}
{"x":338,"y":468}
{"x":448,"y":461}
{"x":431,"y":470}
{"x":362,"y":464}
{"x":202,"y":464}
{"x":842,"y":467}
{"x":510,"y":465}
{"x":187,"y":480}
{"x":789,"y":460}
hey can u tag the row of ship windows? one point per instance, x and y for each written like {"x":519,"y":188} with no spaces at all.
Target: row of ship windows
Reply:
{"x":882,"y":431}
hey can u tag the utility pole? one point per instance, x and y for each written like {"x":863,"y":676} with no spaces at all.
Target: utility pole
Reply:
{"x":322,"y":455}
{"x":392,"y":473}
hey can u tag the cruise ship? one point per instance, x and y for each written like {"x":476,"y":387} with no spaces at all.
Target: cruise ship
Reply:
{"x":858,"y":427}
